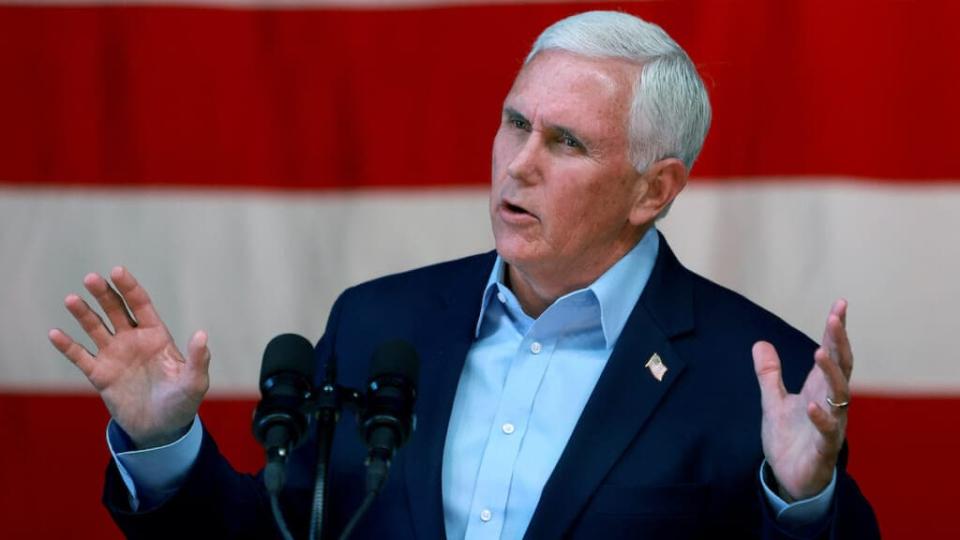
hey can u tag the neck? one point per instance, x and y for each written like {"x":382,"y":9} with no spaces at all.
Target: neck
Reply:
{"x":534,"y":298}
{"x":537,"y":288}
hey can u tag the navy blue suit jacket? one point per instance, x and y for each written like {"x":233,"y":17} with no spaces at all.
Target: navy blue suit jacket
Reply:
{"x":677,"y":458}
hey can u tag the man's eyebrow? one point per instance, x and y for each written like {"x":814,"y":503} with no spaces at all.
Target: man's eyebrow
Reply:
{"x":564,"y":131}
{"x":514,"y":114}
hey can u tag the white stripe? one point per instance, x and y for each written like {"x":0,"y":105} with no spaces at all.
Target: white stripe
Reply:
{"x":794,"y":247}
{"x":243,"y":266}
{"x":246,"y":266}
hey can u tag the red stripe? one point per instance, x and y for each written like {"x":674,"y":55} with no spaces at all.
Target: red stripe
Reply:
{"x":54,"y":456}
{"x":341,"y":99}
{"x":903,"y":455}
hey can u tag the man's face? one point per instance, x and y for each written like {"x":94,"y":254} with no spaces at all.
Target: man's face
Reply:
{"x":563,"y":185}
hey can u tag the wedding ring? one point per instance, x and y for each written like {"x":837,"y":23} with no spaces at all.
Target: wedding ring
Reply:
{"x":835,"y":405}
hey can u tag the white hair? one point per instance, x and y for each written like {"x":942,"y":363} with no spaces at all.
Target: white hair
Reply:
{"x":670,"y":111}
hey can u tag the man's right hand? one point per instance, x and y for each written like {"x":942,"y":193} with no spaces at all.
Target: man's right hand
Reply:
{"x":150,"y":389}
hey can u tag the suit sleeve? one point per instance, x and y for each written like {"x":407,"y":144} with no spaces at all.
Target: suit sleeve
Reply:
{"x":214,"y":502}
{"x":850,"y":514}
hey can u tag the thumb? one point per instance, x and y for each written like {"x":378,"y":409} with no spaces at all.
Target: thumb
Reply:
{"x":198,"y":355}
{"x":766,"y":363}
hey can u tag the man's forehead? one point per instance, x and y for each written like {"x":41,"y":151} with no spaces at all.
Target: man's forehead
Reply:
{"x":565,"y":87}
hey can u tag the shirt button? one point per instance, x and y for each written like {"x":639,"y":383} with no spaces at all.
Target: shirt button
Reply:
{"x":536,"y":347}
{"x":501,"y":297}
{"x":485,"y":515}
{"x":508,"y":428}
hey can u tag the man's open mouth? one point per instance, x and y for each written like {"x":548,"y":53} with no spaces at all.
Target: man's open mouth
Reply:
{"x":515,"y":209}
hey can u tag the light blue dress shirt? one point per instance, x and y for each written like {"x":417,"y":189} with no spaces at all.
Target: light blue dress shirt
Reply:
{"x":523,"y":387}
{"x":524,"y":384}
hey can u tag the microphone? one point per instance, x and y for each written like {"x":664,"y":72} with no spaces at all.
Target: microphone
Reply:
{"x":286,"y":383}
{"x":387,"y":419}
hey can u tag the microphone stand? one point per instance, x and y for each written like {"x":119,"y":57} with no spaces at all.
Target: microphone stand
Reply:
{"x":329,"y":401}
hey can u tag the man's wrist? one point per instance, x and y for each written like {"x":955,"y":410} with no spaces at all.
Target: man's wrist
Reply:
{"x":146,"y":441}
{"x":771,"y":481}
{"x":797,"y":514}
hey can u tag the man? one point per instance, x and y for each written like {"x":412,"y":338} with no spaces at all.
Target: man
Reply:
{"x":578,"y":383}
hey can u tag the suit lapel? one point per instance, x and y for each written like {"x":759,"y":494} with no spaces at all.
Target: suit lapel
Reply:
{"x":626,"y":394}
{"x":447,"y":336}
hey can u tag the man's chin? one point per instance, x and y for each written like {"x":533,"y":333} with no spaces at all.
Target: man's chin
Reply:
{"x":518,"y":253}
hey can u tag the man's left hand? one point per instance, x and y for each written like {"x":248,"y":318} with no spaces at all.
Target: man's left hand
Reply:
{"x":802,"y":433}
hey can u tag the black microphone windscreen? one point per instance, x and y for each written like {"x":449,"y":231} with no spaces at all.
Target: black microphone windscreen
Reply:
{"x":398,"y":359}
{"x":288,"y":353}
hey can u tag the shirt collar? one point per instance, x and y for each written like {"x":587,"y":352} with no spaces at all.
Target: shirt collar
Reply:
{"x":617,"y":290}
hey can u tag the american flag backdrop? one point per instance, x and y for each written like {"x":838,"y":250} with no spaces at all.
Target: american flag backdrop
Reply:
{"x":249,"y":159}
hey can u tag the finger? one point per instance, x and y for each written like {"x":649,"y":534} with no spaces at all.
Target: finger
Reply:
{"x":198,"y":354}
{"x":835,"y":337}
{"x":74,"y":352}
{"x":841,"y":352}
{"x":198,"y":357}
{"x":110,"y":300}
{"x":89,"y":320}
{"x":766,"y":363}
{"x":135,"y":295}
{"x":839,"y":308}
{"x":826,"y":423}
{"x":837,"y":383}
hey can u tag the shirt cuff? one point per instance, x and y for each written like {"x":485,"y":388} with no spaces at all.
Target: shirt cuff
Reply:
{"x":804,"y":513}
{"x":153,"y":475}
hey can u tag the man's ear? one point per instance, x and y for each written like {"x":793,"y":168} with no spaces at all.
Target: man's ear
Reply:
{"x":657,"y":187}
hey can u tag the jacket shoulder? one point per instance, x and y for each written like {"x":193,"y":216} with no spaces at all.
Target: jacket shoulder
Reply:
{"x":409,"y":305}
{"x":438,"y":278}
{"x":729,"y":321}
{"x":719,"y":302}
{"x":684,"y":302}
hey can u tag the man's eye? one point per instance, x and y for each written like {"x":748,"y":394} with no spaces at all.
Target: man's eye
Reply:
{"x":567,"y":140}
{"x":519,"y":123}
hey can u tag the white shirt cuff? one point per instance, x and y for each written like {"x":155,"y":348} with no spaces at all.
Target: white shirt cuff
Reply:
{"x":152,"y":475}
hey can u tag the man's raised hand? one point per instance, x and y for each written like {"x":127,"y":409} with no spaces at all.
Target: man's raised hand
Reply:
{"x":803,"y":433}
{"x":150,"y":389}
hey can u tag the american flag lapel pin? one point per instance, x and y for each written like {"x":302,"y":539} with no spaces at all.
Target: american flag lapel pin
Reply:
{"x":656,"y":366}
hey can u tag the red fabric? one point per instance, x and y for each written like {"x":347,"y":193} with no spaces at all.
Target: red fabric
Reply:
{"x":347,"y":99}
{"x":54,"y":454}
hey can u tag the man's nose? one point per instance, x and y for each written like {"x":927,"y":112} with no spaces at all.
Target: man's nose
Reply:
{"x":525,"y":165}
